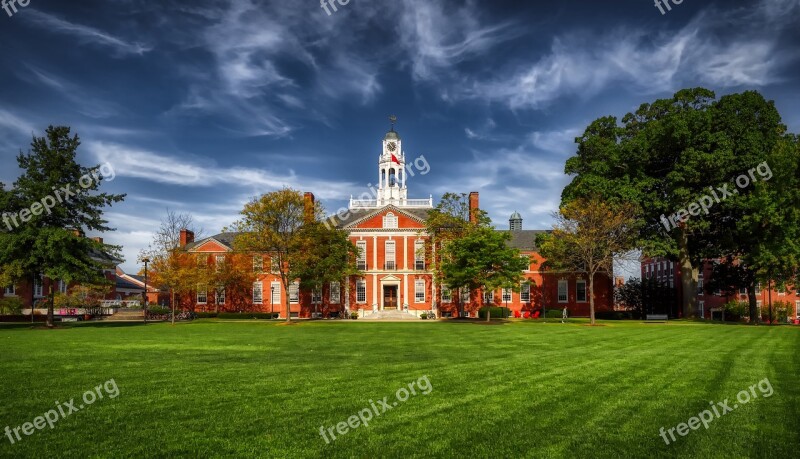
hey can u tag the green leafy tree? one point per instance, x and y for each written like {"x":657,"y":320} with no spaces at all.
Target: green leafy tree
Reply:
{"x":49,"y":241}
{"x":588,"y":236}
{"x":324,"y":255}
{"x":272,"y":224}
{"x":482,"y":258}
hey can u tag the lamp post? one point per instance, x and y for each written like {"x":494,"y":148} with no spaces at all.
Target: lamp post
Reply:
{"x":271,"y":307}
{"x":146,"y":261}
{"x":505,"y":297}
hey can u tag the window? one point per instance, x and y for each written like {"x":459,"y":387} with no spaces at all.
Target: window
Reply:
{"x":466,"y":295}
{"x":718,"y":292}
{"x":275,"y":292}
{"x":528,"y":259}
{"x":61,"y":286}
{"x":758,"y":288}
{"x":361,"y":291}
{"x":361,"y":261}
{"x":258,"y":293}
{"x":506,"y":295}
{"x":419,"y":291}
{"x":294,"y":292}
{"x":390,"y":256}
{"x":742,"y":291}
{"x":202,"y":294}
{"x":797,"y":309}
{"x":220,"y":293}
{"x":38,"y":286}
{"x":562,"y":291}
{"x":220,"y":260}
{"x":781,"y":289}
{"x":700,"y":285}
{"x":488,"y":296}
{"x":447,"y":295}
{"x":258,"y":264}
{"x":10,"y":291}
{"x":419,"y":255}
{"x":390,"y":221}
{"x":274,"y":265}
{"x":202,"y":259}
{"x":701,"y":306}
{"x":316,"y":296}
{"x":580,"y":291}
{"x":335,"y":296}
{"x":525,"y":292}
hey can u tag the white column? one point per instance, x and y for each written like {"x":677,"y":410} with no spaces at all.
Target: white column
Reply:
{"x":405,"y":291}
{"x":405,"y":253}
{"x":375,"y":253}
{"x":375,"y":290}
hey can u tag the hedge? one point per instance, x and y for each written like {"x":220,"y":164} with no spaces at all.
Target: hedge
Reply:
{"x":247,"y":315}
{"x":496,"y":312}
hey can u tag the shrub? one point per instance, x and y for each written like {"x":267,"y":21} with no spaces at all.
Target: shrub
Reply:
{"x":11,"y":305}
{"x":206,"y":315}
{"x":781,"y":311}
{"x":496,"y":312}
{"x":246,"y":315}
{"x":423,"y":316}
{"x":613,"y":315}
{"x":735,"y":311}
{"x":354,"y":315}
{"x":157,"y":311}
{"x":554,"y":313}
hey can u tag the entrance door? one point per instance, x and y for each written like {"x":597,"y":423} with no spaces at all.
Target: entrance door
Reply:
{"x":390,"y":297}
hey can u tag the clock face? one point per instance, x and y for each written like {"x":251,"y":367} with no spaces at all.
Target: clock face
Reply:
{"x":392,"y":146}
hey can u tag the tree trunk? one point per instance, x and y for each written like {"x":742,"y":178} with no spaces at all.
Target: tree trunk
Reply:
{"x":688,"y":276}
{"x":751,"y":300}
{"x":591,"y":299}
{"x":52,"y":296}
{"x":173,"y":307}
{"x":769,"y":294}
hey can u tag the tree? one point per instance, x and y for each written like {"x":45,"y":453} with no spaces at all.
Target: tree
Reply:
{"x":667,"y":155}
{"x":449,"y":221}
{"x":167,"y":268}
{"x":56,"y":199}
{"x":235,"y":277}
{"x":648,"y":296}
{"x":589,"y":234}
{"x":323,"y":255}
{"x":272,"y":225}
{"x":482,"y":258}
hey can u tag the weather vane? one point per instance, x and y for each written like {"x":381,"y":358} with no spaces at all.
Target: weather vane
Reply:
{"x":393,"y":120}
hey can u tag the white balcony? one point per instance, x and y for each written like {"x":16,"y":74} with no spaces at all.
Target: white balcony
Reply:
{"x":397,"y":202}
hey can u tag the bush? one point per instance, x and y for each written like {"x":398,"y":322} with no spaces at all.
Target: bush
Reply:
{"x":781,"y":311}
{"x":158,"y":311}
{"x":246,"y":315}
{"x":354,"y":315}
{"x":206,"y":315}
{"x":735,"y":311}
{"x":496,"y":312}
{"x":613,"y":315}
{"x":11,"y":305}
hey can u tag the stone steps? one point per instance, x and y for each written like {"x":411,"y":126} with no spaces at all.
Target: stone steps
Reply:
{"x":389,"y":315}
{"x":126,"y":315}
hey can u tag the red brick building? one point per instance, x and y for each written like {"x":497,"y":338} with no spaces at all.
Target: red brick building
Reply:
{"x":710,"y":305}
{"x":389,"y":230}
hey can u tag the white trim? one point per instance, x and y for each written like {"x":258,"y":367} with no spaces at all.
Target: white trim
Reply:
{"x":565,"y":283}
{"x":585,"y":291}
{"x":417,"y":284}
{"x":294,"y":290}
{"x":258,"y":292}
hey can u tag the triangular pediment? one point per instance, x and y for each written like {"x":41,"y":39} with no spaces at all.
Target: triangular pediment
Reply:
{"x":211,"y":245}
{"x":375,"y":219}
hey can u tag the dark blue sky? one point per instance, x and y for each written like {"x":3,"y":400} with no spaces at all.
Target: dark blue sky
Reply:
{"x":200,"y":105}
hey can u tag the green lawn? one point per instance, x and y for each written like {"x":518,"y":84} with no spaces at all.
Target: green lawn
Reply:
{"x":257,"y":389}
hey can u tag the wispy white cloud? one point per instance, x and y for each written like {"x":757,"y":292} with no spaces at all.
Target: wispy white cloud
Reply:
{"x":84,"y":33}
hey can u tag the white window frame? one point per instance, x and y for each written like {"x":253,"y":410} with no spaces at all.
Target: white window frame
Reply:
{"x":466,"y":295}
{"x":528,"y":266}
{"x":38,"y":286}
{"x":419,"y":255}
{"x":61,"y":285}
{"x":361,"y":291}
{"x":782,"y":291}
{"x":361,"y":259}
{"x":335,"y":293}
{"x":294,"y":292}
{"x":258,"y":292}
{"x":390,"y":255}
{"x":585,"y":291}
{"x":797,"y":309}
{"x":419,"y":291}
{"x":506,"y":295}
{"x":219,"y":260}
{"x":11,"y":290}
{"x":274,"y":265}
{"x":447,"y":295}
{"x":563,"y":291}
{"x":202,"y":294}
{"x":701,"y":305}
{"x":258,"y":264}
{"x":525,"y":292}
{"x":488,"y":296}
{"x":219,"y":295}
{"x":275,"y":292}
{"x":316,"y":296}
{"x":390,"y":221}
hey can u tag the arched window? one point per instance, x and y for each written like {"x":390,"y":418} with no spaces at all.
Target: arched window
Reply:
{"x":392,"y":177}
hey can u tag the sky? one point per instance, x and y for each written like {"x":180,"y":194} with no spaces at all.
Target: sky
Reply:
{"x":199,"y":106}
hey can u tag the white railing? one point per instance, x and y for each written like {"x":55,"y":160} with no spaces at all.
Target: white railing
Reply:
{"x":120,"y":303}
{"x":375,"y":203}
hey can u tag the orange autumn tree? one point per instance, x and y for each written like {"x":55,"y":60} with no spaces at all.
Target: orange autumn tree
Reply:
{"x":588,"y":236}
{"x":179,"y":271}
{"x":232,"y":279}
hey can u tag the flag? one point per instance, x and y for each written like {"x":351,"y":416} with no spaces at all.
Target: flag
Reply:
{"x":394,"y":159}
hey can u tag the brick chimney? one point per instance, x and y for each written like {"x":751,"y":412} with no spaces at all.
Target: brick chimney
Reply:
{"x":98,"y":239}
{"x":187,"y":237}
{"x":473,"y":207}
{"x":308,"y":212}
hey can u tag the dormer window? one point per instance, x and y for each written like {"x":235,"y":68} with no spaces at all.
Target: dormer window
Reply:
{"x":390,"y":221}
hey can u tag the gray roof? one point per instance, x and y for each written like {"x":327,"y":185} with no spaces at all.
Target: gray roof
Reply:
{"x":524,"y":239}
{"x":225,"y":239}
{"x":392,"y":135}
{"x":515,"y":216}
